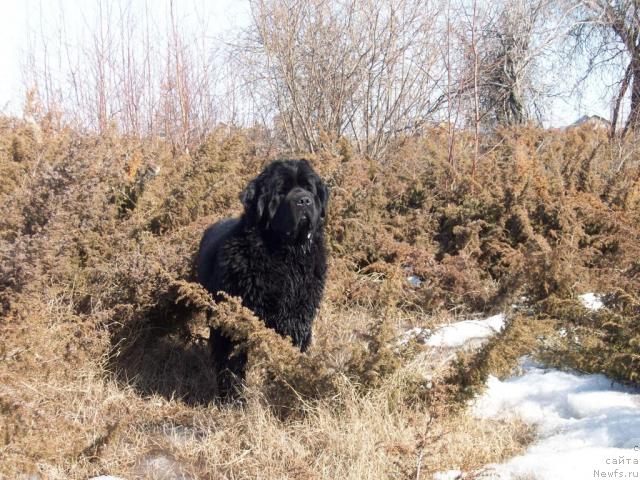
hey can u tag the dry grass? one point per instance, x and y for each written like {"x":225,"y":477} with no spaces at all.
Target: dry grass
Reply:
{"x":104,"y":365}
{"x":79,"y":423}
{"x":113,"y":430}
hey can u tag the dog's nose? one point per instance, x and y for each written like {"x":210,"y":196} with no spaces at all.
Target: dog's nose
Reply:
{"x":304,"y":202}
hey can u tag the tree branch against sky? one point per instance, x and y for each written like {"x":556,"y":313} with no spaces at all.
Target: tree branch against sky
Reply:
{"x":369,"y":70}
{"x":607,"y":33}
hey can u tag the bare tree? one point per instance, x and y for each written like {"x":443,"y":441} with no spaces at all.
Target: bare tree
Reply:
{"x":609,"y":33}
{"x":474,"y":79}
{"x":455,"y":68}
{"x":506,"y":77}
{"x":131,"y":67}
{"x":507,"y":61}
{"x":367,"y":69}
{"x":316,"y":70}
{"x":516,"y":36}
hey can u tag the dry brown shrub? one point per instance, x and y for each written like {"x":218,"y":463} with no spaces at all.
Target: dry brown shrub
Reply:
{"x":104,"y":337}
{"x":606,"y":340}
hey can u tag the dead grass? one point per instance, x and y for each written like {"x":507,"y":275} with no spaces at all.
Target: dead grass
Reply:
{"x":90,"y":424}
{"x":112,"y":430}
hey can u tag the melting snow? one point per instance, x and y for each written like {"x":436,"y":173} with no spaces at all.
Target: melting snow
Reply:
{"x":448,"y":475}
{"x":461,"y":333}
{"x":454,"y":335}
{"x":592,"y":301}
{"x":418,"y":333}
{"x":588,"y":426}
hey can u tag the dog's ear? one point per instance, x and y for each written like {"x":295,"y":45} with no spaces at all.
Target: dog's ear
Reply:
{"x":323,"y":195}
{"x":248,"y":198}
{"x":274,"y":203}
{"x":251,"y":196}
{"x":248,"y":194}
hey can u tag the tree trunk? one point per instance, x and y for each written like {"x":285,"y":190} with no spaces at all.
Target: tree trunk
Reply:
{"x":633,"y":121}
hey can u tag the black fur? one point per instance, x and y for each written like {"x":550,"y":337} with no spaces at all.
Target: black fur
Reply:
{"x":273,"y":257}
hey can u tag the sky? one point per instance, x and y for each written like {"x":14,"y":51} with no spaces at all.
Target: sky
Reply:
{"x":12,"y":27}
{"x":20,"y":18}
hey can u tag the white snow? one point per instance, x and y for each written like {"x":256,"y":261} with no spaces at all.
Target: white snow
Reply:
{"x":420,"y":334}
{"x":454,"y":335}
{"x":460,"y":333}
{"x":588,"y":426}
{"x":414,"y":280}
{"x":448,"y":475}
{"x":592,"y":301}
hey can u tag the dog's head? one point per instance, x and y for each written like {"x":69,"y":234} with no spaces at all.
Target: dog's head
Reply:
{"x":288,"y":200}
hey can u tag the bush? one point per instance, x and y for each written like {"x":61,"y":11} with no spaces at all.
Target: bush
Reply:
{"x":98,"y":234}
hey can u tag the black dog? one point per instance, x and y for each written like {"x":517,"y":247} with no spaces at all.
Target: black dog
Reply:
{"x":273,"y":257}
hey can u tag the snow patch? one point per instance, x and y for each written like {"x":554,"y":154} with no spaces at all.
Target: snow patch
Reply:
{"x":448,"y":475}
{"x":461,"y":333}
{"x":592,"y":301}
{"x":419,"y":334}
{"x":454,"y":335}
{"x":588,"y":426}
{"x":414,"y":280}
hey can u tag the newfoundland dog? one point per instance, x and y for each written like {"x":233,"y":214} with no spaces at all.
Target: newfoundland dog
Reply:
{"x":273,"y":257}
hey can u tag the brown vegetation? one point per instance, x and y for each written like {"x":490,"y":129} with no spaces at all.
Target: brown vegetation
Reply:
{"x":104,"y":358}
